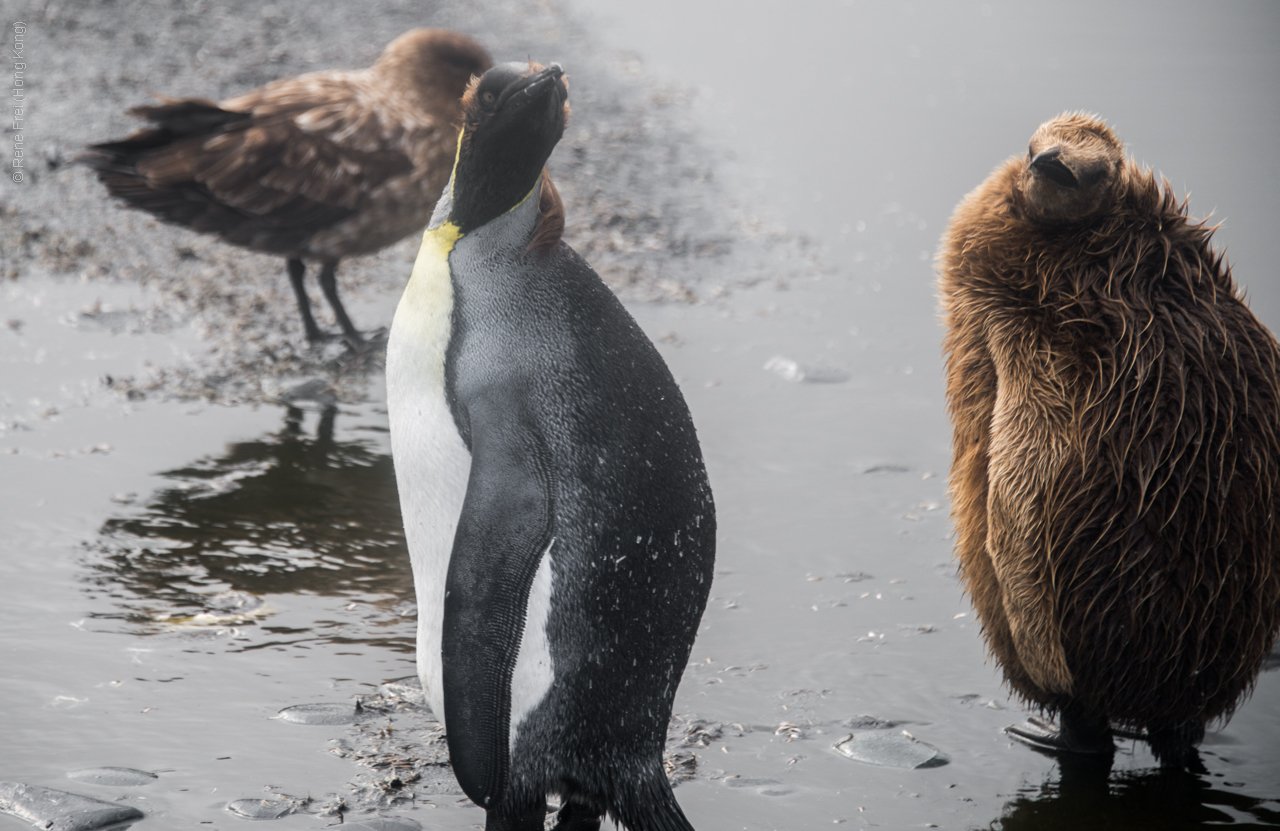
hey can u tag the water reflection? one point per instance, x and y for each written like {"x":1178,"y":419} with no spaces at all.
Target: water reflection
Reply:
{"x":287,"y":513}
{"x":1085,"y":796}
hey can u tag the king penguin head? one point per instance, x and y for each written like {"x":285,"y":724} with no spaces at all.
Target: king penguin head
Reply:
{"x":512,"y":118}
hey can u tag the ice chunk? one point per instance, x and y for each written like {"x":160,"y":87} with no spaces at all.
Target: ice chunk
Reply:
{"x":322,"y":713}
{"x":807,"y":373}
{"x":890,"y":749}
{"x":115,"y":777}
{"x":54,"y":810}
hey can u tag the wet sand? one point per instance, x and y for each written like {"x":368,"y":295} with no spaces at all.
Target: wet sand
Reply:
{"x":129,"y":505}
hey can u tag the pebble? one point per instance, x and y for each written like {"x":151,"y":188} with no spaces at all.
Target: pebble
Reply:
{"x":53,"y":810}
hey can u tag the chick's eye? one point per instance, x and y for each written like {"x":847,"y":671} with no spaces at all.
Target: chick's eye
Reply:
{"x":488,"y":97}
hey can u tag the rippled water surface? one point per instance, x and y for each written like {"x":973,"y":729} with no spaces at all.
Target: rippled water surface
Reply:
{"x":127,"y":523}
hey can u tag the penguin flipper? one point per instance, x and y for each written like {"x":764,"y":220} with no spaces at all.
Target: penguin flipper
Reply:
{"x":504,"y":532}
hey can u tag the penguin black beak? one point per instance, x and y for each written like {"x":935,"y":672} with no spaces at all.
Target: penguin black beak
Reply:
{"x":1049,"y":165}
{"x":531,"y":87}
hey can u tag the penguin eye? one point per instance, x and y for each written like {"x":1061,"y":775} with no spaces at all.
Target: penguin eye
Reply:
{"x":488,"y":97}
{"x":1094,"y":174}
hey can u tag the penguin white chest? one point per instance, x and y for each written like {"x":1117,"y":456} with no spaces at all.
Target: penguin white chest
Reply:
{"x":432,"y":462}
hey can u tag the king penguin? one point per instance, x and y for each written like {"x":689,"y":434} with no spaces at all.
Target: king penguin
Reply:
{"x":1115,"y":475}
{"x":557,"y":510}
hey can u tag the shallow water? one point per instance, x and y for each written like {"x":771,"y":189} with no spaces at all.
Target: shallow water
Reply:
{"x":835,"y":593}
{"x":867,"y":122}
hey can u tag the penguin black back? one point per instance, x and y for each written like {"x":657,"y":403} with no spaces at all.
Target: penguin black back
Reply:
{"x":584,"y":544}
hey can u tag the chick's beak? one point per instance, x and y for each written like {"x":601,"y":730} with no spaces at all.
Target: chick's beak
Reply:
{"x":1050,"y":166}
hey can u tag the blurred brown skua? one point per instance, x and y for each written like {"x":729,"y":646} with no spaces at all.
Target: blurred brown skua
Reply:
{"x":319,"y":167}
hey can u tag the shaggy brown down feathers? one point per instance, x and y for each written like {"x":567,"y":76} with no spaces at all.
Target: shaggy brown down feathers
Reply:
{"x":1115,"y":479}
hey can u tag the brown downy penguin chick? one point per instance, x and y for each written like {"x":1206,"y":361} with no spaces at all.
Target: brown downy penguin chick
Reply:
{"x":323,"y":166}
{"x":1115,"y":477}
